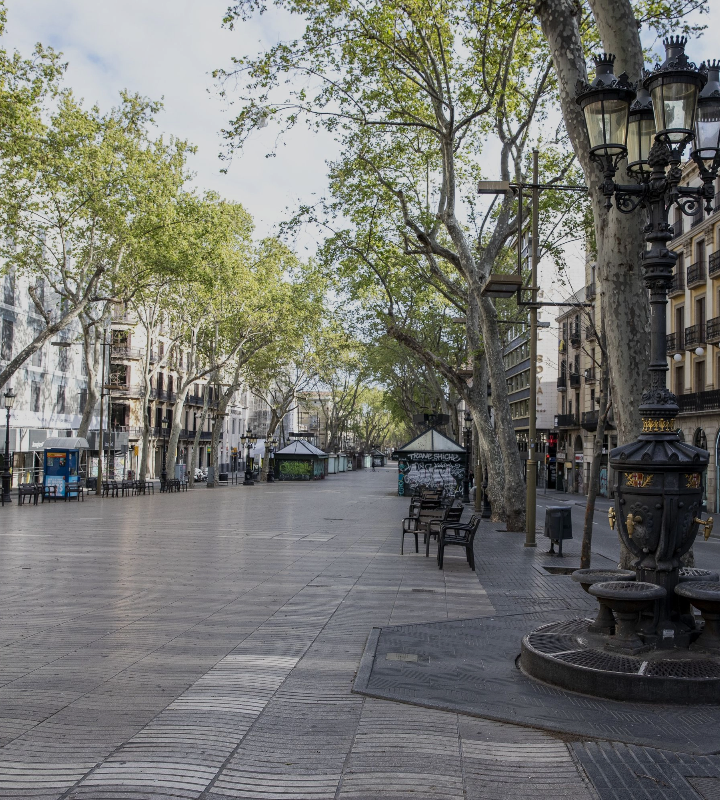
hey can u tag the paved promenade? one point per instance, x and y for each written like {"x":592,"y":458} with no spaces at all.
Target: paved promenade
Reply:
{"x":204,"y":645}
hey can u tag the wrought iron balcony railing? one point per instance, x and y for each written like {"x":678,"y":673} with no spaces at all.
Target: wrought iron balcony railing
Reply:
{"x":675,"y":343}
{"x":694,"y":336}
{"x":696,"y":274}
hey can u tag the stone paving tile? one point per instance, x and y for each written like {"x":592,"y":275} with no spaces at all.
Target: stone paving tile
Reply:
{"x":203,"y":646}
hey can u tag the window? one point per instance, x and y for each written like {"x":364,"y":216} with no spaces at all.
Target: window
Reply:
{"x":60,"y":403}
{"x":9,"y":289}
{"x":700,"y":313}
{"x":680,"y":325}
{"x":35,"y":390}
{"x":699,"y":376}
{"x":680,"y":380}
{"x":233,"y":425}
{"x":700,"y":252}
{"x":6,"y":347}
{"x":83,"y":400}
{"x":36,"y":358}
{"x":63,"y":358}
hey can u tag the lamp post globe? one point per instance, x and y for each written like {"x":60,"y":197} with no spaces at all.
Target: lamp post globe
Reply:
{"x":9,"y":400}
{"x":163,"y":474}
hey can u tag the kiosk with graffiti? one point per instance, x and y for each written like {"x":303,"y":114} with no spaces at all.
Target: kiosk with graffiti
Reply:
{"x":430,"y":460}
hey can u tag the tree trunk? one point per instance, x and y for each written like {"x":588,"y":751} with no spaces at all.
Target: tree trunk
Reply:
{"x":92,"y":357}
{"x":619,"y":237}
{"x":604,"y":409}
{"x":199,"y":425}
{"x":176,"y":427}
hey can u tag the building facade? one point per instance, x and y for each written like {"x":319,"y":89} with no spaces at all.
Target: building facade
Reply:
{"x":693,"y":333}
{"x":578,"y":394}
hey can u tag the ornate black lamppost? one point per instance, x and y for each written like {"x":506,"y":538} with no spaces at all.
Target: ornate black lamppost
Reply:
{"x":248,"y":439}
{"x":9,"y":397}
{"x":658,"y":478}
{"x":163,"y":474}
{"x":467,"y":444}
{"x":270,"y":445}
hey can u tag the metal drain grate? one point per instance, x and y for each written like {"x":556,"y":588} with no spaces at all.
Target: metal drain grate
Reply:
{"x":571,"y":626}
{"x":552,"y":642}
{"x":684,"y":669}
{"x":607,"y":662}
{"x":707,"y":788}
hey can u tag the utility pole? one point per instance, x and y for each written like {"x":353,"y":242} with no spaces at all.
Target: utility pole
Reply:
{"x":101,"y":447}
{"x":531,"y":481}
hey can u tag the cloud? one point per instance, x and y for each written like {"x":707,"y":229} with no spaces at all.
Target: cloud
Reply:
{"x":168,"y":49}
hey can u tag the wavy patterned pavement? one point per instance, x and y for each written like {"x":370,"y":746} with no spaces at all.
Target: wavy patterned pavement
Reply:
{"x":203,"y":645}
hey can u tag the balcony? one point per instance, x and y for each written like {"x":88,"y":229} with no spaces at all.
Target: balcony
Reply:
{"x":590,"y":291}
{"x":574,"y":380}
{"x":712,"y":330}
{"x":186,"y":433}
{"x":590,"y":420}
{"x":590,"y":333}
{"x":121,"y":351}
{"x":714,"y":263}
{"x":120,"y":390}
{"x":696,"y":274}
{"x":575,"y":336}
{"x":699,"y":402}
{"x":566,"y":421}
{"x":675,"y":343}
{"x":590,"y":375}
{"x":562,"y":383}
{"x":694,"y":336}
{"x":678,"y":283}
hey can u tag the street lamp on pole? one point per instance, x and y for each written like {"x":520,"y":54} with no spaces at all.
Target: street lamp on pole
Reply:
{"x":248,"y":439}
{"x":270,"y":445}
{"x":163,"y":474}
{"x":467,"y":443}
{"x":9,"y":397}
{"x":657,"y":470}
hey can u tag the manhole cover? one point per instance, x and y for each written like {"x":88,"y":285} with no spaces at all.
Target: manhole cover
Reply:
{"x":401,"y":657}
{"x":560,"y":570}
{"x":707,"y":788}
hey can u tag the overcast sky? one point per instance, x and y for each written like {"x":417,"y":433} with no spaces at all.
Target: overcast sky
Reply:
{"x":168,"y":48}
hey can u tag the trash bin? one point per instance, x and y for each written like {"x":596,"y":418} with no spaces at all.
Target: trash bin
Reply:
{"x":222,"y":477}
{"x":558,"y":526}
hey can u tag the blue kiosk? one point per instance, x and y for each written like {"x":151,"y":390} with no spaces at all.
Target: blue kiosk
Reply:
{"x":62,"y":464}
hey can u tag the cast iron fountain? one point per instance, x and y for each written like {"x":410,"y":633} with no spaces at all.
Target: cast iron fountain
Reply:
{"x":645,"y":644}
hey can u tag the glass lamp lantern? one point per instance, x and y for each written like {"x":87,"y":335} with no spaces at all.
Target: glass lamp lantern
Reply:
{"x":641,"y":134}
{"x":606,"y":106}
{"x":707,"y":119}
{"x":9,"y":397}
{"x":674,"y":86}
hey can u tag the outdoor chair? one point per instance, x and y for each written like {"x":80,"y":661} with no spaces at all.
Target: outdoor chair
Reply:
{"x":29,"y":490}
{"x":453,"y":514}
{"x":127,"y":488}
{"x":411,"y":524}
{"x":49,"y":493}
{"x":75,"y":489}
{"x":461,"y":535}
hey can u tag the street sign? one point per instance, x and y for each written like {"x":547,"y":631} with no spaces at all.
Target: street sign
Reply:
{"x":493,"y":187}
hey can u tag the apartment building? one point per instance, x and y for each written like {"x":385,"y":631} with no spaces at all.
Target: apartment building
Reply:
{"x":693,"y":332}
{"x":516,"y":357}
{"x":578,"y":393}
{"x":50,"y":387}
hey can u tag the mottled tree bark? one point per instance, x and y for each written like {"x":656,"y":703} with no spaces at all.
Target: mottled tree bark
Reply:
{"x":619,"y":238}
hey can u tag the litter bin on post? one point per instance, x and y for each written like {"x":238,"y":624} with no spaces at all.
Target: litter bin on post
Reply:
{"x":558,"y":526}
